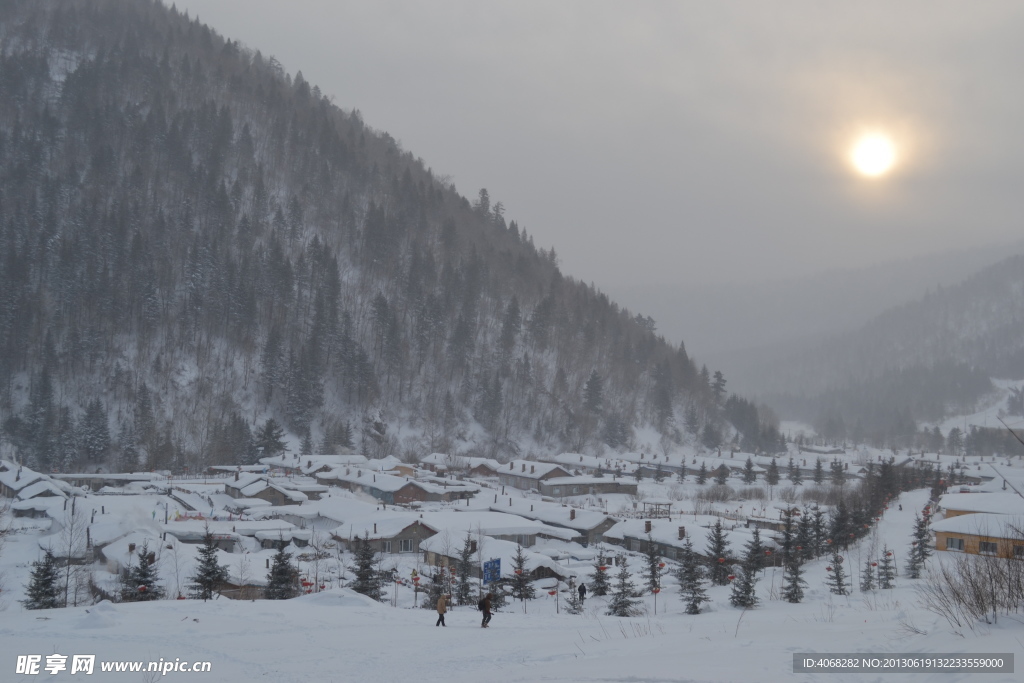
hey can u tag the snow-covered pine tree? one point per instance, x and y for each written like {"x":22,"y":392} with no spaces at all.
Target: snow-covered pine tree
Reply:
{"x":743,"y":586}
{"x":819,"y":531}
{"x":836,"y":576}
{"x":653,"y":559}
{"x":623,"y":604}
{"x":368,"y":579}
{"x":717,"y":552}
{"x":772,"y":476}
{"x":867,"y":577}
{"x":722,"y":475}
{"x":463,"y":569}
{"x":42,"y":591}
{"x":522,"y":586}
{"x":749,"y":475}
{"x":283,"y":578}
{"x":435,"y":589}
{"x":691,"y":579}
{"x":794,"y":473}
{"x":573,"y":604}
{"x":920,"y":547}
{"x":141,"y":581}
{"x":793,"y":582}
{"x":599,"y":579}
{"x":886,"y":569}
{"x":805,"y":536}
{"x":209,"y":576}
{"x":702,"y":473}
{"x":819,"y":471}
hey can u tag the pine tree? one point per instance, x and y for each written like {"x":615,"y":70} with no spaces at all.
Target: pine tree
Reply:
{"x":283,"y":578}
{"x":690,"y":576}
{"x":920,"y":547}
{"x":886,"y":569}
{"x":717,"y":552}
{"x":573,"y":604}
{"x":270,"y":439}
{"x":522,"y":586}
{"x":599,"y":579}
{"x":702,"y":473}
{"x":463,"y":569}
{"x":819,"y":471}
{"x":837,"y":474}
{"x":140,"y":584}
{"x":793,"y":582}
{"x":368,"y":579}
{"x":819,"y":531}
{"x":722,"y":475}
{"x":209,"y":576}
{"x":836,"y":576}
{"x":743,"y":587}
{"x":867,"y":577}
{"x":623,"y":604}
{"x":654,"y":565}
{"x":749,"y":475}
{"x":805,"y":537}
{"x":42,"y":591}
{"x":794,"y":473}
{"x":772,"y":476}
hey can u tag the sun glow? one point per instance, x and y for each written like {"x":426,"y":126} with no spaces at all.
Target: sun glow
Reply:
{"x":873,"y":155}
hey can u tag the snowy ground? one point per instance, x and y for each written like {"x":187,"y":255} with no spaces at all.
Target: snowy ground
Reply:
{"x":338,"y":636}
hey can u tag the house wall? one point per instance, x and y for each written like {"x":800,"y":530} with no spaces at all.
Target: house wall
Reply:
{"x":1006,"y":547}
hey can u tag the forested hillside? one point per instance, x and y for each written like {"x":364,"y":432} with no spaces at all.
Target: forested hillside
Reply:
{"x":920,"y":361}
{"x":201,"y":253}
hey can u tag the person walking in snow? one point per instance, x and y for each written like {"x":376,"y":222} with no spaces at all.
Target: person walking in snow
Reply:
{"x":485,"y":607}
{"x":442,"y":607}
{"x":583,"y":592}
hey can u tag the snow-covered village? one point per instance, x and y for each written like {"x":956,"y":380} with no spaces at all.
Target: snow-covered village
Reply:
{"x":689,"y":350}
{"x":637,"y":566}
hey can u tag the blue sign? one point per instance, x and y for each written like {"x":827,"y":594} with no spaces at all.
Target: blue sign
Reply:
{"x":492,"y":571}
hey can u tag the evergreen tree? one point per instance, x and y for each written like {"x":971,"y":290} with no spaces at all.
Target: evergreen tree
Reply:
{"x":599,"y":579}
{"x":749,"y":475}
{"x":805,"y":537}
{"x":283,"y":578}
{"x":867,"y":577}
{"x":819,"y":531}
{"x":837,"y":474}
{"x":42,"y":591}
{"x":691,"y":579}
{"x":743,"y":587}
{"x":793,"y":582}
{"x":794,"y":473}
{"x":270,"y":439}
{"x":368,"y":578}
{"x":623,"y":604}
{"x":837,"y":577}
{"x":463,"y":569}
{"x":920,"y":547}
{"x":722,"y":475}
{"x":772,"y":476}
{"x":522,"y":586}
{"x":819,"y":471}
{"x":659,"y":473}
{"x":717,"y":552}
{"x":654,"y":571}
{"x":886,"y":569}
{"x":209,"y":576}
{"x":840,"y":525}
{"x":573,"y":603}
{"x":702,"y":473}
{"x":140,"y":584}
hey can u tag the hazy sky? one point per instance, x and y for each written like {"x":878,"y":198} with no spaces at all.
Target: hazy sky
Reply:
{"x":657,"y":142}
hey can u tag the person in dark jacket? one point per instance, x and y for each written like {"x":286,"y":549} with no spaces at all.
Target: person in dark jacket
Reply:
{"x":583,"y":592}
{"x":485,"y":606}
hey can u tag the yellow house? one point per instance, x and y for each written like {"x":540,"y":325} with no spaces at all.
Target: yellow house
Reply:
{"x":981,"y":534}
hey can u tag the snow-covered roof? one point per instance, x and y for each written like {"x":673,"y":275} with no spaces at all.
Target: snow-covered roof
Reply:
{"x":530,"y":469}
{"x":17,"y":478}
{"x":312,"y":463}
{"x":195,"y":530}
{"x":43,"y":487}
{"x":379,"y":525}
{"x":997,"y":503}
{"x":449,"y":461}
{"x":551,"y":513}
{"x":667,"y":533}
{"x":983,"y":524}
{"x":458,"y":522}
{"x":503,"y":550}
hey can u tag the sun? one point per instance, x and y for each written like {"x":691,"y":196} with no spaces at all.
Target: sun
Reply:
{"x":873,"y":155}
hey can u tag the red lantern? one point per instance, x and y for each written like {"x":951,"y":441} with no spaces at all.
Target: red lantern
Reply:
{"x":829,"y":541}
{"x":552,"y":592}
{"x":721,"y":560}
{"x":865,"y":526}
{"x":142,"y":589}
{"x":851,"y":535}
{"x":767,"y":552}
{"x":889,"y":554}
{"x":602,"y":568}
{"x":874,"y":564}
{"x":732,"y":576}
{"x":828,"y":569}
{"x":519,"y":571}
{"x":656,"y":591}
{"x":661,"y":565}
{"x":799,"y":547}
